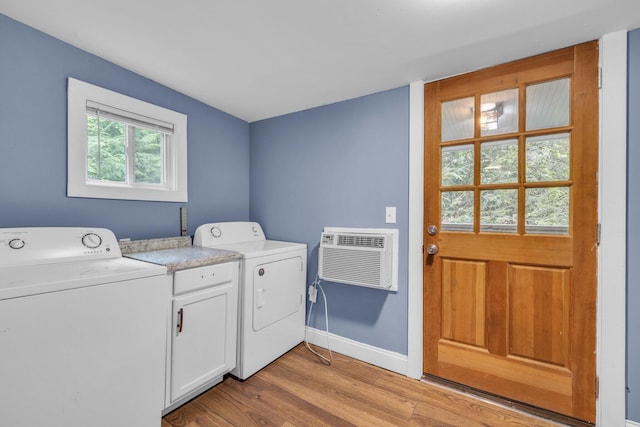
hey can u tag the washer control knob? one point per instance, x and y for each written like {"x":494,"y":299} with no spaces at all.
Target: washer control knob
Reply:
{"x":91,"y":240}
{"x":216,"y":232}
{"x":16,"y":243}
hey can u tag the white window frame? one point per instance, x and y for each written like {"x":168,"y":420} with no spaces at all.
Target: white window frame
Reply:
{"x":81,"y":94}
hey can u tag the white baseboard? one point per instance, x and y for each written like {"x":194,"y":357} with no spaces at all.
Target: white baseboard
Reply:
{"x":632,"y":424}
{"x":380,"y":357}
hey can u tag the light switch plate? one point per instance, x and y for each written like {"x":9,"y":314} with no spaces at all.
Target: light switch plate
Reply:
{"x":390,"y":215}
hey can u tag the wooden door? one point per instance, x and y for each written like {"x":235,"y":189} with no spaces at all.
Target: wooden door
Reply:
{"x":511,"y":188}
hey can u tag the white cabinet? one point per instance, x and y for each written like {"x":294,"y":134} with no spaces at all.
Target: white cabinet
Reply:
{"x":203,"y":329}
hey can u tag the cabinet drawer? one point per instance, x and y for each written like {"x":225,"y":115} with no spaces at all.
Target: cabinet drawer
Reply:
{"x":201,"y":277}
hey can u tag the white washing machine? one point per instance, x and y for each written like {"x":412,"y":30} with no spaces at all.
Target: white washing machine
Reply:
{"x":271,"y":315}
{"x":82,"y":331}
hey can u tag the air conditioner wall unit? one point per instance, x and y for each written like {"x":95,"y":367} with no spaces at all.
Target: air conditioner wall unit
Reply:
{"x":359,"y":256}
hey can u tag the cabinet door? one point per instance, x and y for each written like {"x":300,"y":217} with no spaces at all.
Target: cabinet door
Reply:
{"x":203,"y":337}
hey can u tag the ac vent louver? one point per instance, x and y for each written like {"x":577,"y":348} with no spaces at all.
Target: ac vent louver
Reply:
{"x":362,"y":257}
{"x":363,"y":241}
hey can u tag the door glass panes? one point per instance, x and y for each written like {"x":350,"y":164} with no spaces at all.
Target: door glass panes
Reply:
{"x":457,"y":119}
{"x":547,"y":210}
{"x":457,"y":210}
{"x":499,"y":112}
{"x":457,"y":165}
{"x":548,"y":104}
{"x":106,"y":155}
{"x":499,"y":162}
{"x":499,"y":211}
{"x":148,"y":166}
{"x":547,"y":158}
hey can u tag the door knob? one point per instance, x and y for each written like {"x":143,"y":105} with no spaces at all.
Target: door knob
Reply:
{"x":432,"y":230}
{"x":432,"y":249}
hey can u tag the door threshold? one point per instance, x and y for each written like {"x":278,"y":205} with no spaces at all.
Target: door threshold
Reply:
{"x":507,"y":403}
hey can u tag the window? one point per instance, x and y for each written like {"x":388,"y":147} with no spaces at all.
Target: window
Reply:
{"x":123,"y":148}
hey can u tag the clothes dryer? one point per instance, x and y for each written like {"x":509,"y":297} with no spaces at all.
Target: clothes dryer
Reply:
{"x":271,"y":312}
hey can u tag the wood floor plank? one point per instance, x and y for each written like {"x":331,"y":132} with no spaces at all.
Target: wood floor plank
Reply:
{"x":300,"y":390}
{"x":338,"y":401}
{"x":299,"y":411}
{"x":473,"y":409}
{"x":329,"y":377}
{"x":182,"y":416}
{"x":228,"y":407}
{"x":427,"y":415}
{"x":209,"y":419}
{"x":345,"y":366}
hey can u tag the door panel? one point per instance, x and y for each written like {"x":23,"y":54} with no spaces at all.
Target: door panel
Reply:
{"x":510,"y":183}
{"x":463,"y":301}
{"x":276,"y":291}
{"x":539,"y":313}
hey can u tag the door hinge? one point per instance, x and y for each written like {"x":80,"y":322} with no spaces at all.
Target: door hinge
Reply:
{"x":598,"y":233}
{"x":599,"y":77}
{"x":597,"y":386}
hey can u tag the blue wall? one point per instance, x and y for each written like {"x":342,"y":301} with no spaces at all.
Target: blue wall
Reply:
{"x":633,"y":231}
{"x":33,"y":144}
{"x":339,"y":166}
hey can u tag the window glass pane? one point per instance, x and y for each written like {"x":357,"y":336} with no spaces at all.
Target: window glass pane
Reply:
{"x":499,"y":211}
{"x":547,"y":210}
{"x":148,"y":168}
{"x":106,"y":150}
{"x":457,"y":119}
{"x":499,"y":162}
{"x":548,"y":158}
{"x":499,"y":112}
{"x":457,"y":165}
{"x":457,"y":210}
{"x":548,"y":104}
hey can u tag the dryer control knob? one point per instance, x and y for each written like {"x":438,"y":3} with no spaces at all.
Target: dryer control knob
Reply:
{"x":216,"y":232}
{"x":16,"y":243}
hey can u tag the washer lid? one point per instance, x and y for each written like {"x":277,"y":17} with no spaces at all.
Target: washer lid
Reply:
{"x":262,"y":248}
{"x":43,"y":278}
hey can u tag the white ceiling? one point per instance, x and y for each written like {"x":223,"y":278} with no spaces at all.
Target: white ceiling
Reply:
{"x":257,"y":59}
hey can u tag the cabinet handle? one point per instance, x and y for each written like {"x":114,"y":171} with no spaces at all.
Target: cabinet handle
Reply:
{"x":180,"y":320}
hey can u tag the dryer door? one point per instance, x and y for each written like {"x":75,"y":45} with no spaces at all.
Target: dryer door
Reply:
{"x":278,"y":291}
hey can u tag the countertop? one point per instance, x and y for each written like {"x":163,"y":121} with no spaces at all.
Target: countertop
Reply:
{"x":174,"y":254}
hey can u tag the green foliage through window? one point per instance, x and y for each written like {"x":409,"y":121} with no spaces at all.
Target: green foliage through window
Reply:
{"x":108,"y":152}
{"x":547,"y":160}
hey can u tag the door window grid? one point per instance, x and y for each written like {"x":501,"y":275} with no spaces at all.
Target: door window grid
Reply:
{"x":504,"y":175}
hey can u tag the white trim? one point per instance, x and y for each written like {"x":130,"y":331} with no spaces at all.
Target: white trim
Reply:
{"x":632,"y":424}
{"x":380,"y":357}
{"x":79,"y":94}
{"x":416,"y":213}
{"x":612,"y":251}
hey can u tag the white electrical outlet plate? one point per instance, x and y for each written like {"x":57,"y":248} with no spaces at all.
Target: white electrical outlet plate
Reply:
{"x":390,"y":215}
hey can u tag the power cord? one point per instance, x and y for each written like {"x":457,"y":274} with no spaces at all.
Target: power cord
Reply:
{"x":313,"y":293}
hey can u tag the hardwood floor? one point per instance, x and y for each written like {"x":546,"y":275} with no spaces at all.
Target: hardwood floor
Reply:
{"x":299,"y":390}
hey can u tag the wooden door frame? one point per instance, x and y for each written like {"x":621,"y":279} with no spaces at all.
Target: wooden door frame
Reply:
{"x":610,"y":406}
